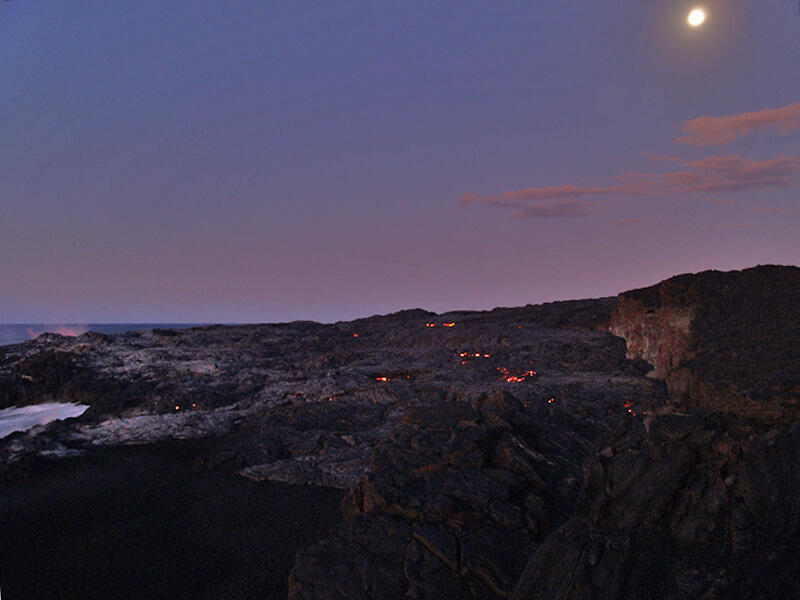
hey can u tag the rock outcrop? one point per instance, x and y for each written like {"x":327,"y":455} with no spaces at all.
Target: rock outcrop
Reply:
{"x":724,"y":342}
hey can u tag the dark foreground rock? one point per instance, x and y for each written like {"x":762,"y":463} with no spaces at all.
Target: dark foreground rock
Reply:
{"x":144,"y":522}
{"x":696,"y":507}
{"x":464,"y":495}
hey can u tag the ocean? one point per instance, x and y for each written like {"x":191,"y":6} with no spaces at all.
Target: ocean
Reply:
{"x":21,"y":332}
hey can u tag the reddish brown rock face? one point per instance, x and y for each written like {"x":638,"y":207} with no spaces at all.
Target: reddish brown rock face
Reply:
{"x":659,"y":336}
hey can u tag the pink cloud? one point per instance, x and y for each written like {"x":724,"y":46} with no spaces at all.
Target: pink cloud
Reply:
{"x":732,"y":227}
{"x":469,"y":199}
{"x":714,"y":131}
{"x":715,"y":173}
{"x":558,"y":208}
{"x":553,"y":192}
{"x":711,"y":174}
{"x":773,"y":210}
{"x":706,"y":175}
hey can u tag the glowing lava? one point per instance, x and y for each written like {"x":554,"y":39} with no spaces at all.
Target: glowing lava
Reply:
{"x":511,"y":378}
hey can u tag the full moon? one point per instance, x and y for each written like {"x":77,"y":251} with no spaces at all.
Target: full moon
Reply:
{"x":696,"y":17}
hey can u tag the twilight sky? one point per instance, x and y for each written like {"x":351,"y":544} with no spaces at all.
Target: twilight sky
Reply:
{"x":267,"y":161}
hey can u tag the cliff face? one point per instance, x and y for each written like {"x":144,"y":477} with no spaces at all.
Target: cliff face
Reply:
{"x":698,"y":499}
{"x":723,"y":342}
{"x":660,"y":336}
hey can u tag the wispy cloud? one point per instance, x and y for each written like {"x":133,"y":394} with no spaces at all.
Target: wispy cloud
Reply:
{"x":732,"y":227}
{"x":548,"y":209}
{"x":711,"y":174}
{"x":716,"y":131}
{"x":773,"y":210}
{"x":557,"y":205}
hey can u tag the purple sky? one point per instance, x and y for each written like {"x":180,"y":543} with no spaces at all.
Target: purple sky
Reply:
{"x":234,"y":161}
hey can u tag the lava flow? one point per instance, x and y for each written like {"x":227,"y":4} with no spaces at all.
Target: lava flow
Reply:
{"x":511,"y":378}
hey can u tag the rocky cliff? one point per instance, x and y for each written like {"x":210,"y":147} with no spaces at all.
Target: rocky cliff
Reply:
{"x":723,"y":342}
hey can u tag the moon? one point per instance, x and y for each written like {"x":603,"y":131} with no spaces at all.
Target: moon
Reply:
{"x":697,"y":17}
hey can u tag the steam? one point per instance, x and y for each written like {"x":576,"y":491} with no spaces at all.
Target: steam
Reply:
{"x":68,"y":330}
